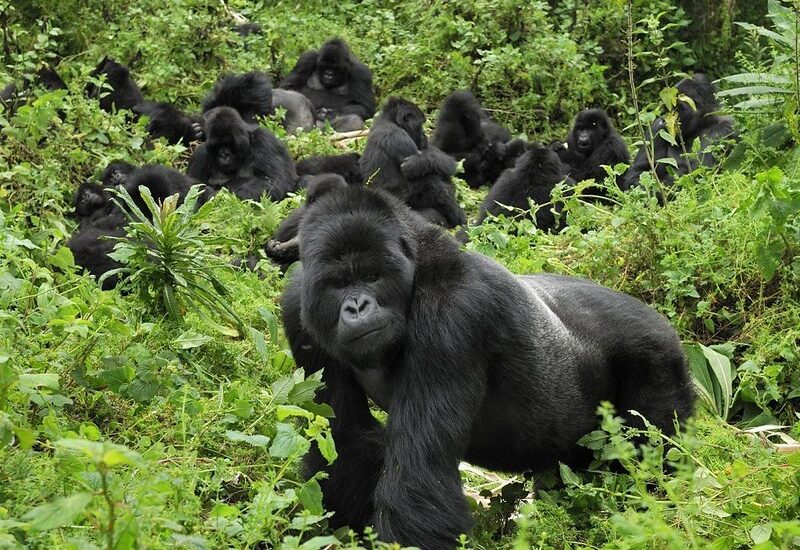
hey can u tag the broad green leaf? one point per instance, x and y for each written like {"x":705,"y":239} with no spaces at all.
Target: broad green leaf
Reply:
{"x":57,"y":513}
{"x":310,"y":496}
{"x":285,"y":411}
{"x":254,"y":440}
{"x":288,"y":443}
{"x":191,"y":339}
{"x":39,"y":381}
{"x":568,"y":476}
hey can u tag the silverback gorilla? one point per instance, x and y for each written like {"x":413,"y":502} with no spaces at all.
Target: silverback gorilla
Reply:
{"x":469,"y":361}
{"x":338,"y":84}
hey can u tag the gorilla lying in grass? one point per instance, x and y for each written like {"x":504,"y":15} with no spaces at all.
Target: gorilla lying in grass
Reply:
{"x":469,"y":361}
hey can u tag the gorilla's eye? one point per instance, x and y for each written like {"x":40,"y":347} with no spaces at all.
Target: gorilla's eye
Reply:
{"x":371,"y":276}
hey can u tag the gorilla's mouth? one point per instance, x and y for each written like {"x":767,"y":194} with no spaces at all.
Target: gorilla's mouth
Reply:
{"x":368,"y":332}
{"x":584,"y":145}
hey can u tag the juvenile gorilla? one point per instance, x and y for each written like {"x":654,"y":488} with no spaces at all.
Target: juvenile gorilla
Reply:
{"x":346,"y":165}
{"x":469,"y":361}
{"x":243,"y":157}
{"x":284,"y":247}
{"x":533,"y":177}
{"x":592,"y":143}
{"x":338,"y":85}
{"x":701,"y":123}
{"x":398,"y":159}
{"x":465,"y":132}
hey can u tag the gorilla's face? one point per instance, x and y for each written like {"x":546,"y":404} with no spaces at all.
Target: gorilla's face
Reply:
{"x":591,"y":129}
{"x":333,"y":67}
{"x":228,"y":142}
{"x":89,"y":198}
{"x":358,"y":278}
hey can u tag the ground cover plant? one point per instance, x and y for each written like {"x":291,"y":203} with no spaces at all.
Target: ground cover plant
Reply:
{"x":169,"y":413}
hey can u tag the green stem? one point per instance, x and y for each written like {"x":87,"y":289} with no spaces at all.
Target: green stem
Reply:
{"x":112,"y":516}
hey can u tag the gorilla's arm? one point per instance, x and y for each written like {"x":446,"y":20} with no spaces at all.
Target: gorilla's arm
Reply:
{"x":200,"y":165}
{"x":394,"y":142}
{"x":438,"y":393}
{"x":428,"y":161}
{"x":357,"y":433}
{"x":306,"y":64}
{"x":362,"y":101}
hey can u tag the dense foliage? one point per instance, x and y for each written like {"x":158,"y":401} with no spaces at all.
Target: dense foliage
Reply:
{"x":157,"y":418}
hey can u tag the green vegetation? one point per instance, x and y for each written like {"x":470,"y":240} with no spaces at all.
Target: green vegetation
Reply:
{"x":172,"y":415}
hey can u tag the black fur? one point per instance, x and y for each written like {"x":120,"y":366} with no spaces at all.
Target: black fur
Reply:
{"x":338,"y":85}
{"x":398,"y":159}
{"x":165,"y":119}
{"x":246,"y":29}
{"x":533,"y":178}
{"x":169,"y":122}
{"x":702,"y":123}
{"x":346,"y":165}
{"x":117,"y":173}
{"x":124,"y":93}
{"x":593,"y":143}
{"x":284,"y":247}
{"x":466,"y":132}
{"x":249,"y":93}
{"x":469,"y":361}
{"x":246,"y":158}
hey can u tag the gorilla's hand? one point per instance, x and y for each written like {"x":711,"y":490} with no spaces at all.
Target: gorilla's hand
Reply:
{"x":197,"y":132}
{"x":415,"y":166}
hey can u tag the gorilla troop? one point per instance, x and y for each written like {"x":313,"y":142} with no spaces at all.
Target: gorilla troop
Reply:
{"x":469,"y":361}
{"x":338,"y":85}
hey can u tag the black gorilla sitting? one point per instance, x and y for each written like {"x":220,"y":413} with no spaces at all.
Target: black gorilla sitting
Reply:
{"x":243,"y":157}
{"x":397,"y":159}
{"x":338,"y":85}
{"x":100,"y":218}
{"x":284,"y":247}
{"x":593,"y":143}
{"x":346,"y":165}
{"x":165,"y":119}
{"x":469,"y":361}
{"x":533,"y":178}
{"x":695,"y":124}
{"x":465,"y":132}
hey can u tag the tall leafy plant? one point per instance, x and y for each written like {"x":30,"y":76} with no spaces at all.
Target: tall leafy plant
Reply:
{"x":166,"y":259}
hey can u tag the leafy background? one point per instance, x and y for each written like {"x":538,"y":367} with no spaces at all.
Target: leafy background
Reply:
{"x":130,"y":421}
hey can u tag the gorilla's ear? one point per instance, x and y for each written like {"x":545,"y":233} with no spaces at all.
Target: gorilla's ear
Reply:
{"x":409,"y":250}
